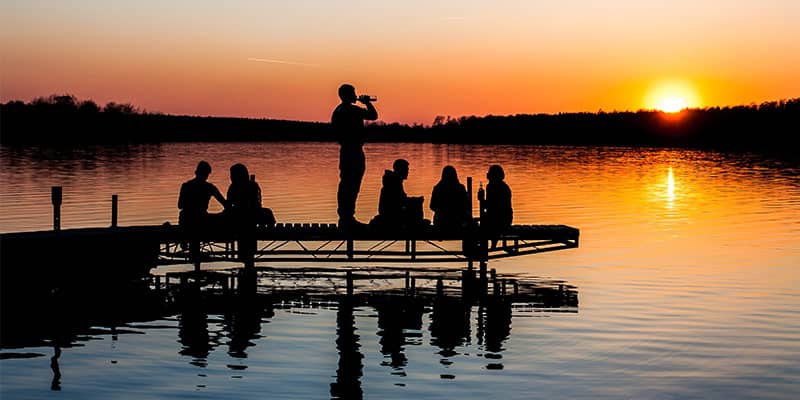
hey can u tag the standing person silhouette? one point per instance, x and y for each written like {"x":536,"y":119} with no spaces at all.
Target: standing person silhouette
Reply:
{"x":348,"y":125}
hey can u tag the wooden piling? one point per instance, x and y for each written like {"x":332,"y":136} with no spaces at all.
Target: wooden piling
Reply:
{"x":439,"y":287}
{"x":482,"y":280}
{"x":114,"y":209}
{"x":350,"y":249}
{"x":469,"y":195}
{"x":349,"y":283}
{"x":413,"y":286}
{"x":56,"y":198}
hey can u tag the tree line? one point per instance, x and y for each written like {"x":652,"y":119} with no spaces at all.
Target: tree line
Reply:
{"x":63,"y":120}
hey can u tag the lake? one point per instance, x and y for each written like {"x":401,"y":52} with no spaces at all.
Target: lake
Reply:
{"x":686,"y":277}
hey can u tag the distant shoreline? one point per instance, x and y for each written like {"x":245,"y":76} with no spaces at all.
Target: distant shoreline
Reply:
{"x":64,"y":121}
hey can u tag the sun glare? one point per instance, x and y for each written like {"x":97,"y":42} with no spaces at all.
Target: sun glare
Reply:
{"x":671,"y":97}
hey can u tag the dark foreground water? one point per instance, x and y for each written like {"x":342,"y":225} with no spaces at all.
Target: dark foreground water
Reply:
{"x":686,"y":277}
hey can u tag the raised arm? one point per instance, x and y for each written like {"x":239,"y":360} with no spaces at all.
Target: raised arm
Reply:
{"x":370,"y":114}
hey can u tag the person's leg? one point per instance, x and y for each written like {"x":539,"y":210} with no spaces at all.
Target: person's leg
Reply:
{"x":351,"y":174}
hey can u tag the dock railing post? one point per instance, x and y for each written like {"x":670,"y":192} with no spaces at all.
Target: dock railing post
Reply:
{"x":56,"y":197}
{"x":469,"y":195}
{"x":114,"y":209}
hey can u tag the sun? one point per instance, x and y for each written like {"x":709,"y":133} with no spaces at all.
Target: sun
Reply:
{"x":671,"y":96}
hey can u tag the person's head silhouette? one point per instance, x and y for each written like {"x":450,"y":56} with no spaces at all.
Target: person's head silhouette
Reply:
{"x":203,"y":170}
{"x":239,"y":173}
{"x":495,"y":173}
{"x":400,"y":167}
{"x":449,"y":174}
{"x":347,"y":93}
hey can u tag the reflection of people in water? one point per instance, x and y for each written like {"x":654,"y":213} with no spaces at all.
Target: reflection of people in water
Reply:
{"x":348,"y":125}
{"x":397,"y":320}
{"x":193,"y":334}
{"x":450,"y":202}
{"x":195,"y":195}
{"x":450,"y":325}
{"x":244,"y":326}
{"x":350,"y":370}
{"x":494,"y":327}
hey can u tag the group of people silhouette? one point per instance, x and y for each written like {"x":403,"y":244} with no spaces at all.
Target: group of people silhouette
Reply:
{"x":242,"y":204}
{"x":449,"y":200}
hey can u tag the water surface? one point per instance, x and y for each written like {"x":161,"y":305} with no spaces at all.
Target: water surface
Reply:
{"x":686,"y":274}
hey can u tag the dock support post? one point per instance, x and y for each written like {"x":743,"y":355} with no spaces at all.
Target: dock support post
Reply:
{"x":495,"y":283}
{"x":413,"y":286}
{"x":114,"y":209}
{"x":516,"y":288}
{"x":349,"y":249}
{"x":503,"y":287}
{"x":439,"y":287}
{"x":482,"y":281}
{"x":349,"y":283}
{"x":413,"y":249}
{"x":408,"y":281}
{"x":56,"y":197}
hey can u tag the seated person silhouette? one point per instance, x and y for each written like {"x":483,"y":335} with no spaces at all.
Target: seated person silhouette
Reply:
{"x":497,"y":212}
{"x":395,"y":208}
{"x":194,"y":197}
{"x":450,"y":202}
{"x":244,"y":200}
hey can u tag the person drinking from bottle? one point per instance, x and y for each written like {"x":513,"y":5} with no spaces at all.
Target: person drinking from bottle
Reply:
{"x":348,"y":126}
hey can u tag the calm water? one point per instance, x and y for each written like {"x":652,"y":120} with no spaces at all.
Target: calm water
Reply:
{"x":687,"y":279}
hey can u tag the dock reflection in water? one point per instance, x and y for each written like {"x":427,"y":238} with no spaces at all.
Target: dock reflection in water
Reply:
{"x":209,"y":316}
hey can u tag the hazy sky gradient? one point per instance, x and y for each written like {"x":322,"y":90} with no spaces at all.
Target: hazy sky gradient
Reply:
{"x":285,"y":59}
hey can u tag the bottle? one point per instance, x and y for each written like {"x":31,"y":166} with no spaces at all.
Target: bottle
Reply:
{"x":365,"y":97}
{"x":481,"y":193}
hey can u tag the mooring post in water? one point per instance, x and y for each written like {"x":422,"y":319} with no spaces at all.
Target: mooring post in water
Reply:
{"x":55,"y":194}
{"x":349,"y":283}
{"x":114,"y":209}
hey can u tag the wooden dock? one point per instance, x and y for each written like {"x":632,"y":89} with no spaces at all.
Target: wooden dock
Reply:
{"x":151,"y":246}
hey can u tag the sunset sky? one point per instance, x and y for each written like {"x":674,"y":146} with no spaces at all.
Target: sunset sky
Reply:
{"x":285,"y":59}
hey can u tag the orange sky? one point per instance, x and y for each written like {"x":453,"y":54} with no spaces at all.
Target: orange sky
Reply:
{"x":274,"y":60}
